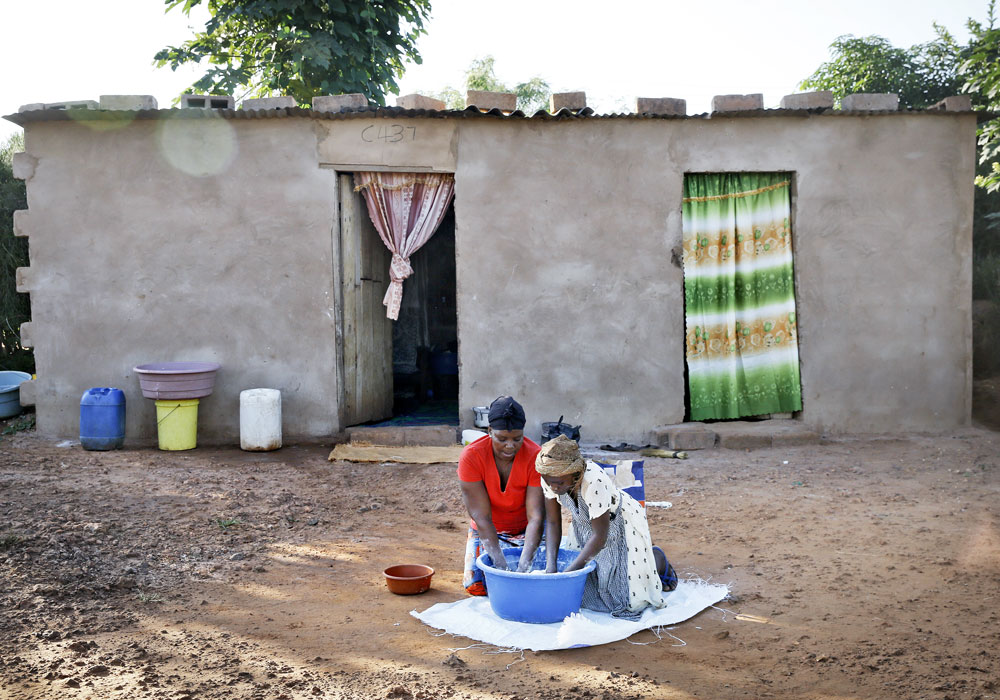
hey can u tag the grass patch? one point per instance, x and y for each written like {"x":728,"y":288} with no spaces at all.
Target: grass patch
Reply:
{"x":25,"y":422}
{"x":148,"y":598}
{"x":10,"y":541}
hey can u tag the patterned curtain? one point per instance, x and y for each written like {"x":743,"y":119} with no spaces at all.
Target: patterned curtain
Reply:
{"x":406,"y":209}
{"x":742,"y":339}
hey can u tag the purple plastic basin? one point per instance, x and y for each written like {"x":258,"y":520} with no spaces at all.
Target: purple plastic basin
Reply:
{"x":177,"y":380}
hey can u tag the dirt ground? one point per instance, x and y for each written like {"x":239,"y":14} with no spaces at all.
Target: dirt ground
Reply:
{"x":862,"y":568}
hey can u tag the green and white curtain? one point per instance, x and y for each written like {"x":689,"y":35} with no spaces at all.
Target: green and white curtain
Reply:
{"x":742,"y":337}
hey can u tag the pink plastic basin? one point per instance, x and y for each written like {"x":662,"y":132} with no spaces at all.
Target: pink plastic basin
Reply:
{"x":177,"y":380}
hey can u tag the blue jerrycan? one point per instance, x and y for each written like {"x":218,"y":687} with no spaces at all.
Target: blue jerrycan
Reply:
{"x":102,"y":419}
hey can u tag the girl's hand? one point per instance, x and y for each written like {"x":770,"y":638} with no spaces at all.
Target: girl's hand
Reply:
{"x":595,"y":544}
{"x":499,"y":561}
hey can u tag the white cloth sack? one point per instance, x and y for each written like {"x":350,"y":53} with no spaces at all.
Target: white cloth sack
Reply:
{"x":474,"y":618}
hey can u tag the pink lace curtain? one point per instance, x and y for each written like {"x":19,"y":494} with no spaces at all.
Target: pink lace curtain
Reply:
{"x":406,"y":209}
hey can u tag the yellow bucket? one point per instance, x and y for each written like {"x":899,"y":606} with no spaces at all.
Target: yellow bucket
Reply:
{"x":177,"y":423}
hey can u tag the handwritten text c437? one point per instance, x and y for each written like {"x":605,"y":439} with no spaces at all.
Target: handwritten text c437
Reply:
{"x":388,"y":133}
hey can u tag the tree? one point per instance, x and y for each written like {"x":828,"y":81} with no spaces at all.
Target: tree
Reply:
{"x":925,"y":74}
{"x":980,"y":68}
{"x":15,"y":308}
{"x":532,"y":95}
{"x":921,"y":75}
{"x":301,"y":48}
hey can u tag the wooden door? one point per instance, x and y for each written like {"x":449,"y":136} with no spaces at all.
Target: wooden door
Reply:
{"x":366,"y":332}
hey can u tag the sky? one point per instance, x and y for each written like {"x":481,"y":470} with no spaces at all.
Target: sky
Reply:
{"x":58,"y":50}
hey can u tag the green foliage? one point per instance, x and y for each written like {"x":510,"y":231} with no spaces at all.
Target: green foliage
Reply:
{"x":10,"y":540}
{"x":980,"y":68}
{"x":19,"y":424}
{"x":921,"y":75}
{"x":301,"y":48}
{"x":482,"y":76}
{"x":986,"y":278}
{"x":15,"y":308}
{"x":452,"y":98}
{"x":986,"y":315}
{"x":148,"y":598}
{"x":532,"y":95}
{"x":925,"y":74}
{"x":986,"y":221}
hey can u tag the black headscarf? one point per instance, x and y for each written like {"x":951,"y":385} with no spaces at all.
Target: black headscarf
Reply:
{"x":506,"y":414}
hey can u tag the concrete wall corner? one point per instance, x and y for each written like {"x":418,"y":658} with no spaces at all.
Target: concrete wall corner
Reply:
{"x":26,"y":341}
{"x":24,"y":280}
{"x":27,"y":392}
{"x":23,"y":165}
{"x":21,"y":223}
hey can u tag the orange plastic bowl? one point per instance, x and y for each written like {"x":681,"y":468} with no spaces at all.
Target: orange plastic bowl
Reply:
{"x":408,"y":579}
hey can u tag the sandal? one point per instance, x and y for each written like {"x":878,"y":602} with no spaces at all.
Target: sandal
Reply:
{"x":668,"y":579}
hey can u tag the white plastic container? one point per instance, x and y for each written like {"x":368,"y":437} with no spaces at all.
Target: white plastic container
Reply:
{"x":260,"y":420}
{"x":471,"y":436}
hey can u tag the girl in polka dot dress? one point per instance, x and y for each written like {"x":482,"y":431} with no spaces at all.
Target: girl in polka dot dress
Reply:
{"x":631,"y":574}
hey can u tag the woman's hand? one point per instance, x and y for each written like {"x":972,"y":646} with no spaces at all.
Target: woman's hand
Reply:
{"x":477,"y":502}
{"x":534,"y":506}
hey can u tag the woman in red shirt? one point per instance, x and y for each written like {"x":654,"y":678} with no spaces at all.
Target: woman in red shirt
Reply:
{"x":502,"y":492}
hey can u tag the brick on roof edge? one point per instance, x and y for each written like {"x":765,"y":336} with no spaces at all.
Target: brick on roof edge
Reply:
{"x":38,"y":115}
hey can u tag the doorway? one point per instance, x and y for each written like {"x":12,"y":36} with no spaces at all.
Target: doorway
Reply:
{"x":402,"y":373}
{"x":366,"y":333}
{"x":425,"y":338}
{"x":741,"y":339}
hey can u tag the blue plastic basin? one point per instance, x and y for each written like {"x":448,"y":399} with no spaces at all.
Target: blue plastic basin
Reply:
{"x":535,"y":597}
{"x":10,"y":392}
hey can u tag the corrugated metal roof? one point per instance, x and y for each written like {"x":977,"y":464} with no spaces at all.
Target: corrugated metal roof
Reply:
{"x":42,"y":115}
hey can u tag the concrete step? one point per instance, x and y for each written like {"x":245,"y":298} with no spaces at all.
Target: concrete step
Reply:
{"x":395,"y":435}
{"x":684,"y":436}
{"x":749,"y":435}
{"x":734,"y":435}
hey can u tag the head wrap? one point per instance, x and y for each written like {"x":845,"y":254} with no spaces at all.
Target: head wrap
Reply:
{"x":559,"y":457}
{"x":506,"y":414}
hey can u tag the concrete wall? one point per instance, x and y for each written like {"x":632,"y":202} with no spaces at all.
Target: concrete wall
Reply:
{"x":422,"y":145}
{"x":216,"y":240}
{"x":182,"y":240}
{"x":568,"y":298}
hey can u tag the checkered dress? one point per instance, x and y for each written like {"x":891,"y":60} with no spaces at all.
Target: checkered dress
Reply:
{"x":625,"y":581}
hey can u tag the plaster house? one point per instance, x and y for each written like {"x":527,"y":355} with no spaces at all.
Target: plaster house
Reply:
{"x":557,"y":275}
